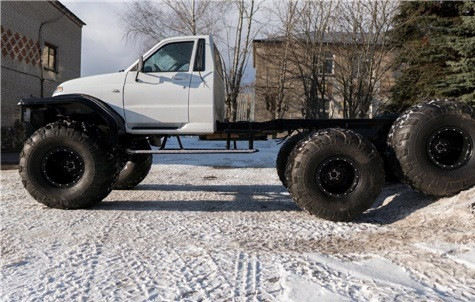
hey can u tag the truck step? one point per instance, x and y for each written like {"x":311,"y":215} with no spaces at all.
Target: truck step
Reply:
{"x":192,"y":151}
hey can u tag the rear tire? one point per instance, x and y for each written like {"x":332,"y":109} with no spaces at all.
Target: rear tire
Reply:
{"x":433,"y":144}
{"x":335,"y":174}
{"x":284,"y":153}
{"x":136,"y":168}
{"x":380,"y":142}
{"x":64,"y":166}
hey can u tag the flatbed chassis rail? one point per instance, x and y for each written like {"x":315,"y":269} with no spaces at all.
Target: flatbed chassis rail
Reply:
{"x":374,"y":129}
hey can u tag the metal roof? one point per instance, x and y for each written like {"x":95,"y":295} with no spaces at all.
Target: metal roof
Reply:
{"x":327,"y":37}
{"x":67,"y":12}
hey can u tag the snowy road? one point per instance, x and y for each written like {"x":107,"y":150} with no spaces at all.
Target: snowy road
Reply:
{"x":222,"y":228}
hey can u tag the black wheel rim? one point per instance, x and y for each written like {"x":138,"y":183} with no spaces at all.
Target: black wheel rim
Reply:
{"x":338,"y":176}
{"x":449,"y":148}
{"x":62,"y":167}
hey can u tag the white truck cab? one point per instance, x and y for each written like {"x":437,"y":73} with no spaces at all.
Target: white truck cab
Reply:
{"x":178,"y":89}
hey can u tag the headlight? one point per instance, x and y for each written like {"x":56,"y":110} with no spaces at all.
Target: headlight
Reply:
{"x":59,"y":89}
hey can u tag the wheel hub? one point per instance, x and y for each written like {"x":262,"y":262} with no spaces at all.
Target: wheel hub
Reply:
{"x":62,"y":167}
{"x":337,"y":176}
{"x":334,"y":174}
{"x":441,"y":146}
{"x":69,"y":165}
{"x":449,"y":148}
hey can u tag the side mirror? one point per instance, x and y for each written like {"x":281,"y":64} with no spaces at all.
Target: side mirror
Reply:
{"x":139,"y":68}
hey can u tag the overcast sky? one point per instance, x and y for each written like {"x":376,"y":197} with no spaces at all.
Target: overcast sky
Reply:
{"x":104,"y":48}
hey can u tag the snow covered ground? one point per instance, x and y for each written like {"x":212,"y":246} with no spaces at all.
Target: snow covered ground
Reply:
{"x":222,"y":228}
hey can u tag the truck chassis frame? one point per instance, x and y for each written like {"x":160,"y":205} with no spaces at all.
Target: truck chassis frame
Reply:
{"x":375,"y":130}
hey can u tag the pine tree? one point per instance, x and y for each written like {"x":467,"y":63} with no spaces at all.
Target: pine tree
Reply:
{"x":435,"y":42}
{"x":461,"y":79}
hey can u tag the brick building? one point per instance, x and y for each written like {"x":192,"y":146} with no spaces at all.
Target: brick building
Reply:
{"x":40,"y":48}
{"x":341,"y":59}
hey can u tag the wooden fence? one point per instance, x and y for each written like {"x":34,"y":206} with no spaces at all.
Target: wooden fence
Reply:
{"x":245,"y":107}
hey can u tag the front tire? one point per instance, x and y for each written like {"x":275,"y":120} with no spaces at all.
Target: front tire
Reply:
{"x":64,"y":166}
{"x":335,"y":174}
{"x":136,"y":168}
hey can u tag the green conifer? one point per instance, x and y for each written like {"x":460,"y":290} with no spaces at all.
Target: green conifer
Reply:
{"x":436,"y":51}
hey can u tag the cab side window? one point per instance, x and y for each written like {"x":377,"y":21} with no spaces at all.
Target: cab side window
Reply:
{"x":173,"y":57}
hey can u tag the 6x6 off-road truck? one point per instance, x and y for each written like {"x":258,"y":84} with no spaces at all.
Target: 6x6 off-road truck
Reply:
{"x":95,"y":135}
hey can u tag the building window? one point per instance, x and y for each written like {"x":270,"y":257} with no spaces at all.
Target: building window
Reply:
{"x":360,"y":66}
{"x":50,"y":56}
{"x":327,"y":64}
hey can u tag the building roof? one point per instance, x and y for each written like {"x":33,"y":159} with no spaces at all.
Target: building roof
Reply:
{"x":328,"y":38}
{"x":67,"y":12}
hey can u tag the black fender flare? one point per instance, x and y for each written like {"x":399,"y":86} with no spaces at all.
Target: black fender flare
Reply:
{"x":68,"y":104}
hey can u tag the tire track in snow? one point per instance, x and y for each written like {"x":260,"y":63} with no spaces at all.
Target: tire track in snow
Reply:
{"x":247,"y":270}
{"x":196,"y":221}
{"x":185,"y":269}
{"x":136,"y":256}
{"x":89,"y":256}
{"x":219,"y":269}
{"x":77,"y":263}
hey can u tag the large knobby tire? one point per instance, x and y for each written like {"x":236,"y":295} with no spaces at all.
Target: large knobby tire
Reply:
{"x":380,"y":142}
{"x":433,"y":144}
{"x":335,"y":174}
{"x":63,"y":165}
{"x":284,"y":153}
{"x":136,"y":168}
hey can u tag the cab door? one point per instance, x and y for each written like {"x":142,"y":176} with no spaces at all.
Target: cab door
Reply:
{"x":158,"y":98}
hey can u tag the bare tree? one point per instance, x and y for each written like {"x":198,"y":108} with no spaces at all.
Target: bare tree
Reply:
{"x":334,"y":50}
{"x":151,"y":22}
{"x":309,"y":55}
{"x":238,"y":42}
{"x":275,"y":87}
{"x":363,"y":68}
